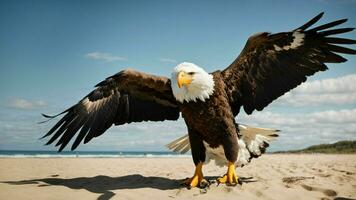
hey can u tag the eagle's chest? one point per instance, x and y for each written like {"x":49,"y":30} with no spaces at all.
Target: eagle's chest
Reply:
{"x":205,"y":125}
{"x":212,"y":108}
{"x":197,"y":111}
{"x":211,"y":119}
{"x":201,"y":112}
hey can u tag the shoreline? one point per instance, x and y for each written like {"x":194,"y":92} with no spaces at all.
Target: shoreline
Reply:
{"x":133,"y":154}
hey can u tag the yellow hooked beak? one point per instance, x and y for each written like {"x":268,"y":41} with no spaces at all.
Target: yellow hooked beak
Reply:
{"x":183,"y":79}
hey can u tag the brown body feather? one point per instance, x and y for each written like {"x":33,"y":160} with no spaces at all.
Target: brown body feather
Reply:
{"x":211,"y":121}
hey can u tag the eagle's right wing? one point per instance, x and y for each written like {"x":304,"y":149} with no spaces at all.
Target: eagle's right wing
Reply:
{"x":128,"y":96}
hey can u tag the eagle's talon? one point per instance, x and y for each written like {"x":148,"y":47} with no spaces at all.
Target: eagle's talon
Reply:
{"x":197,"y":180}
{"x":230,"y":178}
{"x":222,"y":179}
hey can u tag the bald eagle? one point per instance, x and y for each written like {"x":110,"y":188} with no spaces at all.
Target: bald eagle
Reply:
{"x":268,"y":66}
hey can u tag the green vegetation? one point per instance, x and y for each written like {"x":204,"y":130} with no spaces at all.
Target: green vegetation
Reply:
{"x":335,"y":148}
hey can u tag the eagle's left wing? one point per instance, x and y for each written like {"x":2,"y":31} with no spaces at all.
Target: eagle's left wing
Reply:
{"x":272,"y":64}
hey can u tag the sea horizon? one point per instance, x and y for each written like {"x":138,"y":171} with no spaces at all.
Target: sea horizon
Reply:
{"x":87,"y":154}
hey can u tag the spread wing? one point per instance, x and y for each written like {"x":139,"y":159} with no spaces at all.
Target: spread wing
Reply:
{"x":272,"y":64}
{"x":128,"y":96}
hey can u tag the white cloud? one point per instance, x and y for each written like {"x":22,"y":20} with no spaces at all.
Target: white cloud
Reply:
{"x":334,"y":91}
{"x":167,"y":60}
{"x":332,"y":85}
{"x":317,"y":118}
{"x":107,"y":57}
{"x":304,"y":129}
{"x":335,"y":117}
{"x":145,"y":135}
{"x":25,"y":104}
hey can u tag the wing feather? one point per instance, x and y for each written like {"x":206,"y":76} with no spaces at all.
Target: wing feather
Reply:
{"x":272,"y":64}
{"x":311,"y":22}
{"x":334,"y":40}
{"x":128,"y":96}
{"x":328,"y":25}
{"x":335,"y":31}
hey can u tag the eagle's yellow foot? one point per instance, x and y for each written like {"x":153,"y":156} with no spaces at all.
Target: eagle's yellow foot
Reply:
{"x":197,"y":180}
{"x":230,"y":178}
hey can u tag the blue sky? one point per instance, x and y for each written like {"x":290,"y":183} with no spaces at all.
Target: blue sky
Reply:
{"x":52,"y":53}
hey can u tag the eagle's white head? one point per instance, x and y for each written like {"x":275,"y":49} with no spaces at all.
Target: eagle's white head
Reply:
{"x":190,"y":83}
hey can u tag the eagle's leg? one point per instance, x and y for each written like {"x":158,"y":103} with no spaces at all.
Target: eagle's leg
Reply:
{"x":230,"y":148}
{"x":198,"y":179}
{"x":230,"y":177}
{"x":198,"y":154}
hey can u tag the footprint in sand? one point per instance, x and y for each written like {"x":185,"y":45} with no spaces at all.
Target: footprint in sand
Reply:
{"x":327,"y":192}
{"x":324,"y":175}
{"x":317,"y":169}
{"x":295,"y":179}
{"x":289,"y":181}
{"x":320,"y":173}
{"x":343,"y":171}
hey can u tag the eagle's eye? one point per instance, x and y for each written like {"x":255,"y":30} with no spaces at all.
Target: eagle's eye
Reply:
{"x":191,"y":73}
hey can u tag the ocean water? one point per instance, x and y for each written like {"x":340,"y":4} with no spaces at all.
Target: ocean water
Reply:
{"x":88,"y":154}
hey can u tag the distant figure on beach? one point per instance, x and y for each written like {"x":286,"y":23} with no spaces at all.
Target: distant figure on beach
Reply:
{"x":268,"y":66}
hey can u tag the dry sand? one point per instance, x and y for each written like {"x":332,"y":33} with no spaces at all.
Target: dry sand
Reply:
{"x":268,"y":177}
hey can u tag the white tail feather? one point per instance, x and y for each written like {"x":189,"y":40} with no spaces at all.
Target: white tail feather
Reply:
{"x":180,"y":145}
{"x":256,"y":139}
{"x":252,"y":142}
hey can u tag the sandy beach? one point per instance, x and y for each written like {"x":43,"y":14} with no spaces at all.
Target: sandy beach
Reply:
{"x":276,"y":176}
